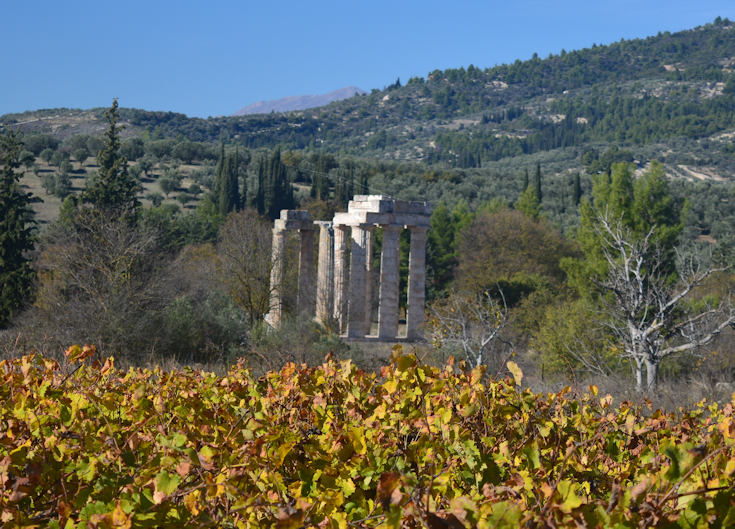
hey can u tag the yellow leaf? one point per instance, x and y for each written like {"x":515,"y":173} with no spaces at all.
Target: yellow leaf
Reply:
{"x":515,"y":371}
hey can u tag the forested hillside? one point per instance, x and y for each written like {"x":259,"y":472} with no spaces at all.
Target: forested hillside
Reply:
{"x":669,"y":89}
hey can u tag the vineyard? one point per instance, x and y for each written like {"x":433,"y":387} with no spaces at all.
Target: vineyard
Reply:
{"x":88,"y":445}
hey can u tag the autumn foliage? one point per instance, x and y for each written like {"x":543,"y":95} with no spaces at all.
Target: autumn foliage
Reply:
{"x":87,"y":445}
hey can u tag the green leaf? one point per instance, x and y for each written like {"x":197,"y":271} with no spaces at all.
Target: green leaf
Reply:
{"x":167,"y":483}
{"x":569,"y":498}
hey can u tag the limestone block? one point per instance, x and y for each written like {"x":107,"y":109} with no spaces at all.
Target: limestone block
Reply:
{"x":325,"y":271}
{"x":389,"y":284}
{"x":356,"y":293}
{"x":415,"y":311}
{"x":340,"y":277}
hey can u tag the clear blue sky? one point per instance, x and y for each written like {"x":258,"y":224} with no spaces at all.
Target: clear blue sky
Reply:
{"x":212,"y":58}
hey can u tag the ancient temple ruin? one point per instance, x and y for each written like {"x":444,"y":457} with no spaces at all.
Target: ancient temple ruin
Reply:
{"x":344,"y":279}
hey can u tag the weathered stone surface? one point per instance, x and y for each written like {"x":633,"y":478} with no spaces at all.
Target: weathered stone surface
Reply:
{"x":347,"y":291}
{"x":415,"y":310}
{"x":389,"y":275}
{"x":356,"y":304}
{"x":294,"y":219}
{"x":340,"y":277}
{"x":325,"y":271}
{"x":368,"y":278}
{"x":384,"y":204}
{"x":277,"y":257}
{"x":358,"y":218}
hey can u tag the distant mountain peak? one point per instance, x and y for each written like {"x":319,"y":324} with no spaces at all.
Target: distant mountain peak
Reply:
{"x":287,"y":104}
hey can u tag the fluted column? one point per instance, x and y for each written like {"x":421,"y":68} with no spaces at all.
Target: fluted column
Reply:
{"x":389,"y":275}
{"x":415,"y":311}
{"x":356,"y":308}
{"x":305,"y":300}
{"x":340,"y":277}
{"x":277,"y":263}
{"x":325,"y":271}
{"x":368,"y":278}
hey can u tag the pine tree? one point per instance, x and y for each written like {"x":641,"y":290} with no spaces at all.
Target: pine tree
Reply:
{"x":17,"y":229}
{"x":112,"y":188}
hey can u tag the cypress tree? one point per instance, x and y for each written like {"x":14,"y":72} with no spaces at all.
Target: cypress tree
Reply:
{"x":112,"y":188}
{"x":537,"y":182}
{"x":577,"y":189}
{"x":17,"y":228}
{"x":219,"y":172}
{"x":259,"y":198}
{"x":228,"y":193}
{"x":525,"y":181}
{"x":244,"y":187}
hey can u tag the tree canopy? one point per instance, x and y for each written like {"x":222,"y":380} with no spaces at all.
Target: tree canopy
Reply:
{"x":17,"y":227}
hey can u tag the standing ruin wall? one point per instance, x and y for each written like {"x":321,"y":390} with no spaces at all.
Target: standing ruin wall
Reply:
{"x":343,"y":293}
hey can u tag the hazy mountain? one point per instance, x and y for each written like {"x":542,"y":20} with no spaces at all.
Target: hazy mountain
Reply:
{"x":286,"y":104}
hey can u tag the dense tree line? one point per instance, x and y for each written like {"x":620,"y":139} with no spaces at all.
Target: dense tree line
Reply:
{"x":500,"y":231}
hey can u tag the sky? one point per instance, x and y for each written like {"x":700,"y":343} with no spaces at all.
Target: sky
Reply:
{"x":212,"y":58}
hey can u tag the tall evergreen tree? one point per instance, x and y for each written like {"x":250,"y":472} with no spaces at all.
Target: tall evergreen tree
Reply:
{"x":218,"y":173}
{"x":227,"y":182}
{"x":112,"y":187}
{"x":537,"y":183}
{"x":17,"y":228}
{"x":275,"y":191}
{"x":577,"y":189}
{"x":259,"y":197}
{"x":243,"y":160}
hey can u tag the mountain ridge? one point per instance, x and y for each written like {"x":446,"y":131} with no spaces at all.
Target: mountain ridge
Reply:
{"x":291,"y":103}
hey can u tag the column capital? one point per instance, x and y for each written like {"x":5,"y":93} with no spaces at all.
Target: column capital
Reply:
{"x":418,"y":229}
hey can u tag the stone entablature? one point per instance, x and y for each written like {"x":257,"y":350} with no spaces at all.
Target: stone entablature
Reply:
{"x":347,"y":287}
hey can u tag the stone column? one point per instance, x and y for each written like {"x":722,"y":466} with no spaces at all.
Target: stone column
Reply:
{"x":278,"y":255}
{"x":368,"y":278}
{"x":389,"y":275}
{"x":416,"y":283}
{"x":356,"y":308}
{"x":305,"y":300}
{"x":325,"y":270}
{"x":340,"y":277}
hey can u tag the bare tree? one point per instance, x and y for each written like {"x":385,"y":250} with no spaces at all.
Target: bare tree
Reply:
{"x":99,"y":282}
{"x":472,"y":323}
{"x":648,"y":311}
{"x":244,"y":249}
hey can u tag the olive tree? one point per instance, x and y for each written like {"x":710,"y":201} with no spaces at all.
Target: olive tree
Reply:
{"x":473,"y":325}
{"x":649,"y":313}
